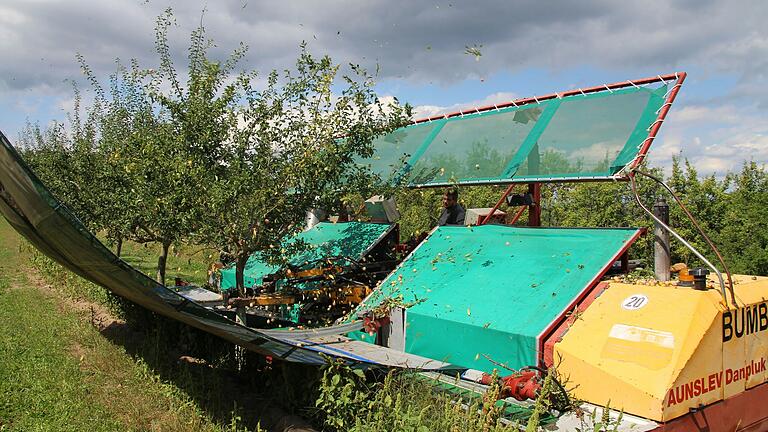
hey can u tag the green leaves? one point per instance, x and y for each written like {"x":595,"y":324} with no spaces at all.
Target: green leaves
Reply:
{"x":344,"y":395}
{"x":283,"y":155}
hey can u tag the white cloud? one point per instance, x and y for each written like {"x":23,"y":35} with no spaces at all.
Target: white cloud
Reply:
{"x":703,"y":113}
{"x":424,"y":111}
{"x":715,"y":139}
{"x":417,"y":41}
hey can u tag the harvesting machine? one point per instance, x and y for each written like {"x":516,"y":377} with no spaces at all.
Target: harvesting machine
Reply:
{"x":689,"y":354}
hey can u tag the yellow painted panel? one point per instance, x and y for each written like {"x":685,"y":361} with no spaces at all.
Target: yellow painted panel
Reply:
{"x":655,"y":347}
{"x":745,"y":335}
{"x":673,"y":349}
{"x":630,"y":345}
{"x":701,"y":381}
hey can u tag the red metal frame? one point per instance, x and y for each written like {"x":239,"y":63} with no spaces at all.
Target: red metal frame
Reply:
{"x":534,"y":210}
{"x":680,"y":77}
{"x":517,"y":215}
{"x":501,"y":200}
{"x":677,"y":76}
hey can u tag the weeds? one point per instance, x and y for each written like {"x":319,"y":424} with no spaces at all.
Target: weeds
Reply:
{"x":402,"y":401}
{"x":592,"y":422}
{"x":344,"y":395}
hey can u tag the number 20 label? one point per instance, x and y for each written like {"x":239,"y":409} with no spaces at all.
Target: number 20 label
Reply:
{"x":634,"y":302}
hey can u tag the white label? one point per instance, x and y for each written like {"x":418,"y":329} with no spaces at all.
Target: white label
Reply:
{"x":641,"y":334}
{"x":634,"y":302}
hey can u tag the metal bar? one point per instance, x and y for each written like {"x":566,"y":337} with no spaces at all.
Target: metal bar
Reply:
{"x":698,"y":227}
{"x":679,"y":77}
{"x":517,"y":215}
{"x":501,"y":200}
{"x":661,"y":248}
{"x":539,"y":99}
{"x":685,"y":243}
{"x":534,"y":210}
{"x":625,"y":262}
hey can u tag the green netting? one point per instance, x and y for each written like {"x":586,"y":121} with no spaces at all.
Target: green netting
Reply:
{"x":325,"y":240}
{"x":395,"y":150}
{"x":476,"y":147}
{"x":585,"y":136}
{"x":493,"y":290}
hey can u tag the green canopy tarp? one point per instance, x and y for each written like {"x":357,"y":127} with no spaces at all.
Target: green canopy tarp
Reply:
{"x":493,"y":290}
{"x":325,"y":240}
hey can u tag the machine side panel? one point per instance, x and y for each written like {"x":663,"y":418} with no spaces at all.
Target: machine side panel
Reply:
{"x":665,"y":352}
{"x":632,"y":342}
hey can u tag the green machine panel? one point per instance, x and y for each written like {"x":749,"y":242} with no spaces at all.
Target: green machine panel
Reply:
{"x":325,"y":240}
{"x":493,"y":290}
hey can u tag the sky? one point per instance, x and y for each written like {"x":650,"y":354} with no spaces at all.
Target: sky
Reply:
{"x":419,"y":49}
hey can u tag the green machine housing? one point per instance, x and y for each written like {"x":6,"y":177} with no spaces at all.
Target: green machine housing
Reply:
{"x":481,"y":296}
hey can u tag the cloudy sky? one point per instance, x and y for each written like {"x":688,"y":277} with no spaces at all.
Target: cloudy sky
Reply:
{"x":528,"y":48}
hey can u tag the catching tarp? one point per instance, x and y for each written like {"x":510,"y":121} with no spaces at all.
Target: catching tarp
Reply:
{"x":49,"y":226}
{"x":589,"y":134}
{"x":494,"y":290}
{"x":344,"y":242}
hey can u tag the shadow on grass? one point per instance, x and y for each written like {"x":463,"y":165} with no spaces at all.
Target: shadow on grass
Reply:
{"x":272,"y":396}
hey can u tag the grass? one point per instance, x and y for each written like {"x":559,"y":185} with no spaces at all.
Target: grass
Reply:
{"x":190,"y":263}
{"x":59,"y":372}
{"x":41,"y":382}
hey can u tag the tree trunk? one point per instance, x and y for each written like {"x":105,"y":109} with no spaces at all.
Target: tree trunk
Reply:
{"x":119,"y":247}
{"x":161,"y":261}
{"x":239,"y":269}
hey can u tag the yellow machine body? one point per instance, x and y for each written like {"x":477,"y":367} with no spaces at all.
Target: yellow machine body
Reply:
{"x":661,"y":351}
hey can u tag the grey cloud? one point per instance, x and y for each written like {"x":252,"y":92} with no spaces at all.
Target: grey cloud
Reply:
{"x":417,"y":41}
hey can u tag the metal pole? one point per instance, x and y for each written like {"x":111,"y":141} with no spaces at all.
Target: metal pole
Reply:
{"x":698,"y":227}
{"x":240,"y":318}
{"x":681,"y":239}
{"x":534,"y":210}
{"x":661,"y":255}
{"x":499,"y":203}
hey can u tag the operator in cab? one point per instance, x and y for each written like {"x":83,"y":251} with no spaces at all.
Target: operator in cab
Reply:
{"x":453,"y":212}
